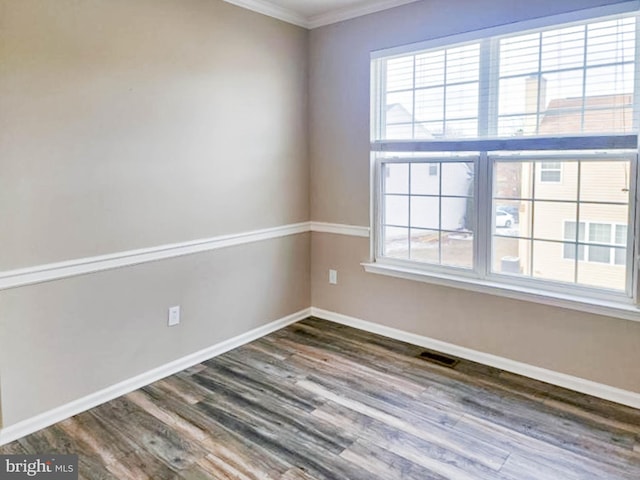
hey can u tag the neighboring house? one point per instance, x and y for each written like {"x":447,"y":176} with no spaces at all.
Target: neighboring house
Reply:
{"x":600,"y":181}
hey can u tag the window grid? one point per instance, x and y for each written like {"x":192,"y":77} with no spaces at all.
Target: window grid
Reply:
{"x":577,"y":83}
{"x":487,"y":123}
{"x":589,"y":247}
{"x":411,"y":227}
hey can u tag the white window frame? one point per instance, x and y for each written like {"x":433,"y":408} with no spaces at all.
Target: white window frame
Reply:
{"x":623,"y":305}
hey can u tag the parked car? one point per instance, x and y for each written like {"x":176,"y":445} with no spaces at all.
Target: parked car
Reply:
{"x":503,"y":219}
{"x":511,"y":210}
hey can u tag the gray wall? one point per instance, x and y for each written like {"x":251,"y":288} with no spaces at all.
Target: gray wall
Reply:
{"x":596,"y":348}
{"x":131,"y":124}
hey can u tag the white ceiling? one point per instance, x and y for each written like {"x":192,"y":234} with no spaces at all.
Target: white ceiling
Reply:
{"x":315,"y":13}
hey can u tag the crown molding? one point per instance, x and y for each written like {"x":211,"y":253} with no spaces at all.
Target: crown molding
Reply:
{"x":267,"y":8}
{"x":347,"y":13}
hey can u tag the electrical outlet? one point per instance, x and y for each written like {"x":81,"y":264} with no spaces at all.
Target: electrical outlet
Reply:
{"x":174,"y":316}
{"x":333,"y":277}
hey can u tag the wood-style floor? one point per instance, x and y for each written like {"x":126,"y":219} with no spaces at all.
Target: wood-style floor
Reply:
{"x":318,"y":400}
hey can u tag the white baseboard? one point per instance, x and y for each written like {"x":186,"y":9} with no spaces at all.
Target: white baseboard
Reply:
{"x":31,"y":425}
{"x":624,"y":397}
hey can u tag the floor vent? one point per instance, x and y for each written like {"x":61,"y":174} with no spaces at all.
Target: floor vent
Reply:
{"x":439,"y":359}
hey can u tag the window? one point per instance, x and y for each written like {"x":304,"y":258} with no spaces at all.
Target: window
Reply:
{"x":550,"y":172}
{"x":512,"y":157}
{"x":596,"y":245}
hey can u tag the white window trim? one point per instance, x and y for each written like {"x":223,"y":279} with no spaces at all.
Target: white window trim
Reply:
{"x":620,"y":306}
{"x":623,"y":308}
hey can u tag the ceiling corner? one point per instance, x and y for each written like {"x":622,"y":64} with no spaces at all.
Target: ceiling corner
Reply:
{"x":267,"y":8}
{"x":347,"y":13}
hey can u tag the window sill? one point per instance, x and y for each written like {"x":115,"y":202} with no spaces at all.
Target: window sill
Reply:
{"x":627,"y":311}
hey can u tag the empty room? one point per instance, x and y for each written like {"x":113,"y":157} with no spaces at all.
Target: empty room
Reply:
{"x":319,"y":239}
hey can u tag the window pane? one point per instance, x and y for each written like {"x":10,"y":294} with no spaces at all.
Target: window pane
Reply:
{"x":570,"y":251}
{"x":425,"y":246}
{"x":547,"y":264}
{"x":599,"y":254}
{"x":396,"y":178}
{"x":461,"y":128}
{"x":612,"y":39}
{"x":457,"y":178}
{"x":551,"y":219}
{"x":509,"y":181}
{"x":462,"y":101}
{"x":606,"y":181}
{"x":517,"y":95}
{"x":457,"y":249}
{"x":396,"y":242}
{"x":399,"y":73}
{"x":620,"y":256}
{"x":621,"y":235}
{"x":463,"y":63}
{"x":511,"y":256}
{"x":399,"y":107}
{"x":396,"y":210}
{"x":517,"y":125}
{"x":612,"y":81}
{"x":563,"y":48}
{"x":570,"y":234}
{"x":425,"y":212}
{"x":599,"y":214}
{"x":556,"y":183}
{"x":454,"y":213}
{"x":505,"y":223}
{"x":429,"y":104}
{"x":429,"y":130}
{"x":602,"y":275}
{"x":399,"y":132}
{"x":425,"y":179}
{"x":513,"y":208}
{"x":520,"y":54}
{"x":430,"y":69}
{"x":599,"y":233}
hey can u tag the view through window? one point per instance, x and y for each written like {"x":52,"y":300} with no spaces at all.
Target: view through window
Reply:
{"x":512,"y":157}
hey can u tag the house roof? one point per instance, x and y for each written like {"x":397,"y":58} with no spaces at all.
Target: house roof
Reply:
{"x":397,"y":114}
{"x":602,"y":114}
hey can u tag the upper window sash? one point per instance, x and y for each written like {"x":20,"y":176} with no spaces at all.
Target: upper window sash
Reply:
{"x":577,"y":16}
{"x":576,"y":80}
